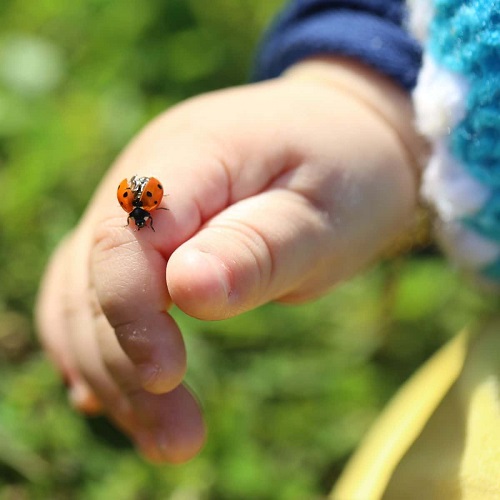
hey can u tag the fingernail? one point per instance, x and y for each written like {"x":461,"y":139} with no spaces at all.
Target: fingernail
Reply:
{"x":148,"y":373}
{"x":152,"y":447}
{"x":163,"y":442}
{"x":81,"y":398}
{"x":220,"y":269}
{"x":77,"y":395}
{"x":199,"y":262}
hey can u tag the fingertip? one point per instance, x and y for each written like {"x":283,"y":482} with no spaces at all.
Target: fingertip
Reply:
{"x":84,"y":400}
{"x":163,"y":449}
{"x":147,"y":353}
{"x":158,"y":380}
{"x":180,"y":432}
{"x":199,"y":283}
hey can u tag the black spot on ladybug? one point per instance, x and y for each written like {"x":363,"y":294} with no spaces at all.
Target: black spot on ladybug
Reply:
{"x":156,"y":203}
{"x":121,"y":203}
{"x":125,"y":194}
{"x":149,"y":194}
{"x":160,"y":186}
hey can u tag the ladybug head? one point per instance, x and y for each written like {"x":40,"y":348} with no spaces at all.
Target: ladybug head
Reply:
{"x":140,"y":217}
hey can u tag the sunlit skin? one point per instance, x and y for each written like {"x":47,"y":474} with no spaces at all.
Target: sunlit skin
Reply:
{"x":277,"y":192}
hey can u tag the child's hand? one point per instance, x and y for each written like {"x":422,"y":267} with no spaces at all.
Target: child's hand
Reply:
{"x":276,"y":191}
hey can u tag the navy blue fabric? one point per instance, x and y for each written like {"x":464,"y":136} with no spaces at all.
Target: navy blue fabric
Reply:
{"x":369,"y":30}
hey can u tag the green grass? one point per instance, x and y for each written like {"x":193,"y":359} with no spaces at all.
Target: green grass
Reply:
{"x":287,"y":391}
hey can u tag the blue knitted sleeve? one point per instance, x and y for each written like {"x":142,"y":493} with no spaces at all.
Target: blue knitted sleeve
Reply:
{"x":369,"y":30}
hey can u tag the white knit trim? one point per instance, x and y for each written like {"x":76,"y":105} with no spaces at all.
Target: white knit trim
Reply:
{"x":440,"y":99}
{"x":466,"y":247}
{"x":449,"y":187}
{"x":422,"y":12}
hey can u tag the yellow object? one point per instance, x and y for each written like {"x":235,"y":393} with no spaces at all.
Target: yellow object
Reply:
{"x":439,"y":438}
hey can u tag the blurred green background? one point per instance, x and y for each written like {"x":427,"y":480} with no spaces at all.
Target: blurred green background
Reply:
{"x":288,"y":391}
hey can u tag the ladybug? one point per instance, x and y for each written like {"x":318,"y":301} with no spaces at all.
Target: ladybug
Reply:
{"x":140,"y":196}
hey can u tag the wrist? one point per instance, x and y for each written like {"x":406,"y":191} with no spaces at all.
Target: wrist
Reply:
{"x":393,"y":108}
{"x":380,"y":94}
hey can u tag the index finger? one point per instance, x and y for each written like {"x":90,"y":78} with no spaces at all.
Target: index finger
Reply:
{"x":128,"y":266}
{"x":129,"y":279}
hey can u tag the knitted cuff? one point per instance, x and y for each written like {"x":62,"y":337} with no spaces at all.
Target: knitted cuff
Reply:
{"x":370,"y":31}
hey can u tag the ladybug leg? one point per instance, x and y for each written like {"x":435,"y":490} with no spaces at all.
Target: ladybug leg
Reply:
{"x":151,"y":223}
{"x":128,"y":223}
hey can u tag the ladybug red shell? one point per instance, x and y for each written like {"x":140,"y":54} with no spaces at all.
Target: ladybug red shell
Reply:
{"x":140,"y":196}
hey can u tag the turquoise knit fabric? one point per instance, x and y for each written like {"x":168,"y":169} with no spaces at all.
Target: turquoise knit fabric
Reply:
{"x":465,"y":39}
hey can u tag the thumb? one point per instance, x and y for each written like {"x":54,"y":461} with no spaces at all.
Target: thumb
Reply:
{"x":331,"y":211}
